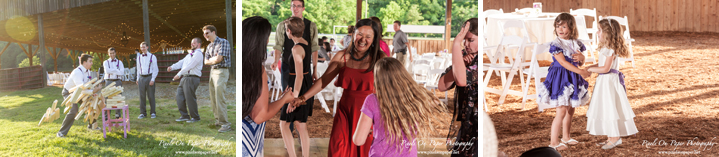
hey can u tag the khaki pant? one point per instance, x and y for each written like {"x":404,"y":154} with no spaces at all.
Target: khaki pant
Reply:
{"x":218,"y":83}
{"x":401,"y":57}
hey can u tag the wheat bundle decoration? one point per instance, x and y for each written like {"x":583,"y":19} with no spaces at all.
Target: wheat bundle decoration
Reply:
{"x":92,"y":101}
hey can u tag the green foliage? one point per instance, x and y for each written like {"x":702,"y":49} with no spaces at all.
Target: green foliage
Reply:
{"x":26,"y":62}
{"x":96,"y":61}
{"x":329,"y":13}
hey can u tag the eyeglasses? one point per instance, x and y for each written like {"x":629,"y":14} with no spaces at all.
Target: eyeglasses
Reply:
{"x":297,"y":6}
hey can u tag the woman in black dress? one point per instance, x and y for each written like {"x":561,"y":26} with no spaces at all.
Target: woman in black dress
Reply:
{"x":299,"y":78}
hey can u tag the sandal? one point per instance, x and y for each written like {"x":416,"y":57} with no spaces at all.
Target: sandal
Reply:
{"x":602,"y":143}
{"x":570,"y":140}
{"x":559,"y":145}
{"x":612,"y":145}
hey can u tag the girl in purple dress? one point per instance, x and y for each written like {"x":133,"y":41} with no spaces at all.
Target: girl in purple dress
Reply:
{"x":565,"y":87}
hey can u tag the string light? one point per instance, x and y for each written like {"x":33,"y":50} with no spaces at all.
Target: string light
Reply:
{"x":109,"y":37}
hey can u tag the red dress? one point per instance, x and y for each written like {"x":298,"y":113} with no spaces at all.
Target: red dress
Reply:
{"x":357,"y":86}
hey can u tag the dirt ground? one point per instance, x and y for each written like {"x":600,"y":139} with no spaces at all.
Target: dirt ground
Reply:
{"x":673,"y":90}
{"x":319,"y":125}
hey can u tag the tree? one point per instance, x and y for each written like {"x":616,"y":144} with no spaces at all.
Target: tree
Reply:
{"x":26,"y":62}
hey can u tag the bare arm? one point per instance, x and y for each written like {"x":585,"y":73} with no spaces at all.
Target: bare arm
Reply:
{"x":446,"y":81}
{"x":263,"y":110}
{"x":459,"y":69}
{"x":364,"y":126}
{"x":602,"y":69}
{"x":314,"y":65}
{"x":569,"y":66}
{"x":298,"y":53}
{"x":332,"y":71}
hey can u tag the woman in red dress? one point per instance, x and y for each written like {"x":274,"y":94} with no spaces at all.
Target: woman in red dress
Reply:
{"x":353,"y":68}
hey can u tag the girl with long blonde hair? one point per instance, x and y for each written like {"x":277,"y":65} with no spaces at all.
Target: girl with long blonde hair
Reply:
{"x":609,"y":111}
{"x":398,"y":112}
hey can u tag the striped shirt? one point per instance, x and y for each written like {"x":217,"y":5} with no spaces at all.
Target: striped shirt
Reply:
{"x":220,"y":47}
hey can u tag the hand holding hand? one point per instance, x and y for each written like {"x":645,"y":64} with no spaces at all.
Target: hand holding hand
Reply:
{"x":585,"y":73}
{"x":287,"y":95}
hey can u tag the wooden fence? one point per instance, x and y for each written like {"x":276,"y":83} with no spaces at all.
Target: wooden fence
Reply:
{"x":424,"y":45}
{"x":644,"y":15}
{"x":22,"y":78}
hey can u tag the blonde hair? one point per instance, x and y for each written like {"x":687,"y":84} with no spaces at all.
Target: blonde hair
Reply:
{"x":612,"y":34}
{"x":406,"y":106}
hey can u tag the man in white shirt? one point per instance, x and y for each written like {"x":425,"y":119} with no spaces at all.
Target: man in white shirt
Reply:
{"x":191,"y":70}
{"x":146,"y":74}
{"x":114,"y":71}
{"x":78,"y":76}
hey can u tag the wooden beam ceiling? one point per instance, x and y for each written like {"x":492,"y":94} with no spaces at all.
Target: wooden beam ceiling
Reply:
{"x":98,"y":26}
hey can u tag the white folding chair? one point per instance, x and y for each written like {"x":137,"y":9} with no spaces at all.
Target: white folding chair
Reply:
{"x":535,"y":71}
{"x":487,"y":13}
{"x":277,"y":87}
{"x":420,"y":70}
{"x":589,"y":42}
{"x":520,"y":44}
{"x":321,"y":68}
{"x":627,"y":38}
{"x":433,"y":83}
{"x":512,"y":68}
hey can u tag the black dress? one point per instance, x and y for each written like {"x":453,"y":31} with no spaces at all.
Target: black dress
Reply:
{"x":302,"y":112}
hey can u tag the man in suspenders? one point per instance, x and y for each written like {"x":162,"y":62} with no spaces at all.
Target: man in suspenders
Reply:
{"x":114,"y":71}
{"x":146,"y":74}
{"x":191,"y":70}
{"x":78,"y":76}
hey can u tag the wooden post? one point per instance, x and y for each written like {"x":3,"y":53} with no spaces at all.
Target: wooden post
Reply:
{"x":54,"y":54}
{"x":146,"y":23}
{"x":41,"y":37}
{"x":228,"y":15}
{"x":3,"y":50}
{"x":359,"y":11}
{"x":448,"y":27}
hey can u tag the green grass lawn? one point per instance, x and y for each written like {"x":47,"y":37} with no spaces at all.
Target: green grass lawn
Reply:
{"x":21,"y":111}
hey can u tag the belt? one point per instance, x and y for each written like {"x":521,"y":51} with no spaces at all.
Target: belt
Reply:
{"x":620,"y":74}
{"x":302,"y":73}
{"x":219,"y":67}
{"x":190,"y":76}
{"x":148,"y":75}
{"x":112,"y":79}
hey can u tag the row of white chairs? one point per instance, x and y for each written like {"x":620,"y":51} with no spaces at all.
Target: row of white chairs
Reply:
{"x":521,"y":42}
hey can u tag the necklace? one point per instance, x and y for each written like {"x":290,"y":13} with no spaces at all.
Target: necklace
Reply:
{"x":360,"y":59}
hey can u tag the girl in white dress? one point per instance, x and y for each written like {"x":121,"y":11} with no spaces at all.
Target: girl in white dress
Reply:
{"x":609,"y":111}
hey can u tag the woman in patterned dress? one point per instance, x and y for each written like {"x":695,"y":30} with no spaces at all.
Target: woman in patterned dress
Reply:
{"x":464,"y":76}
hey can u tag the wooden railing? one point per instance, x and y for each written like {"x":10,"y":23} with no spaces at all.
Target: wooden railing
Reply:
{"x":22,"y":78}
{"x":424,"y":45}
